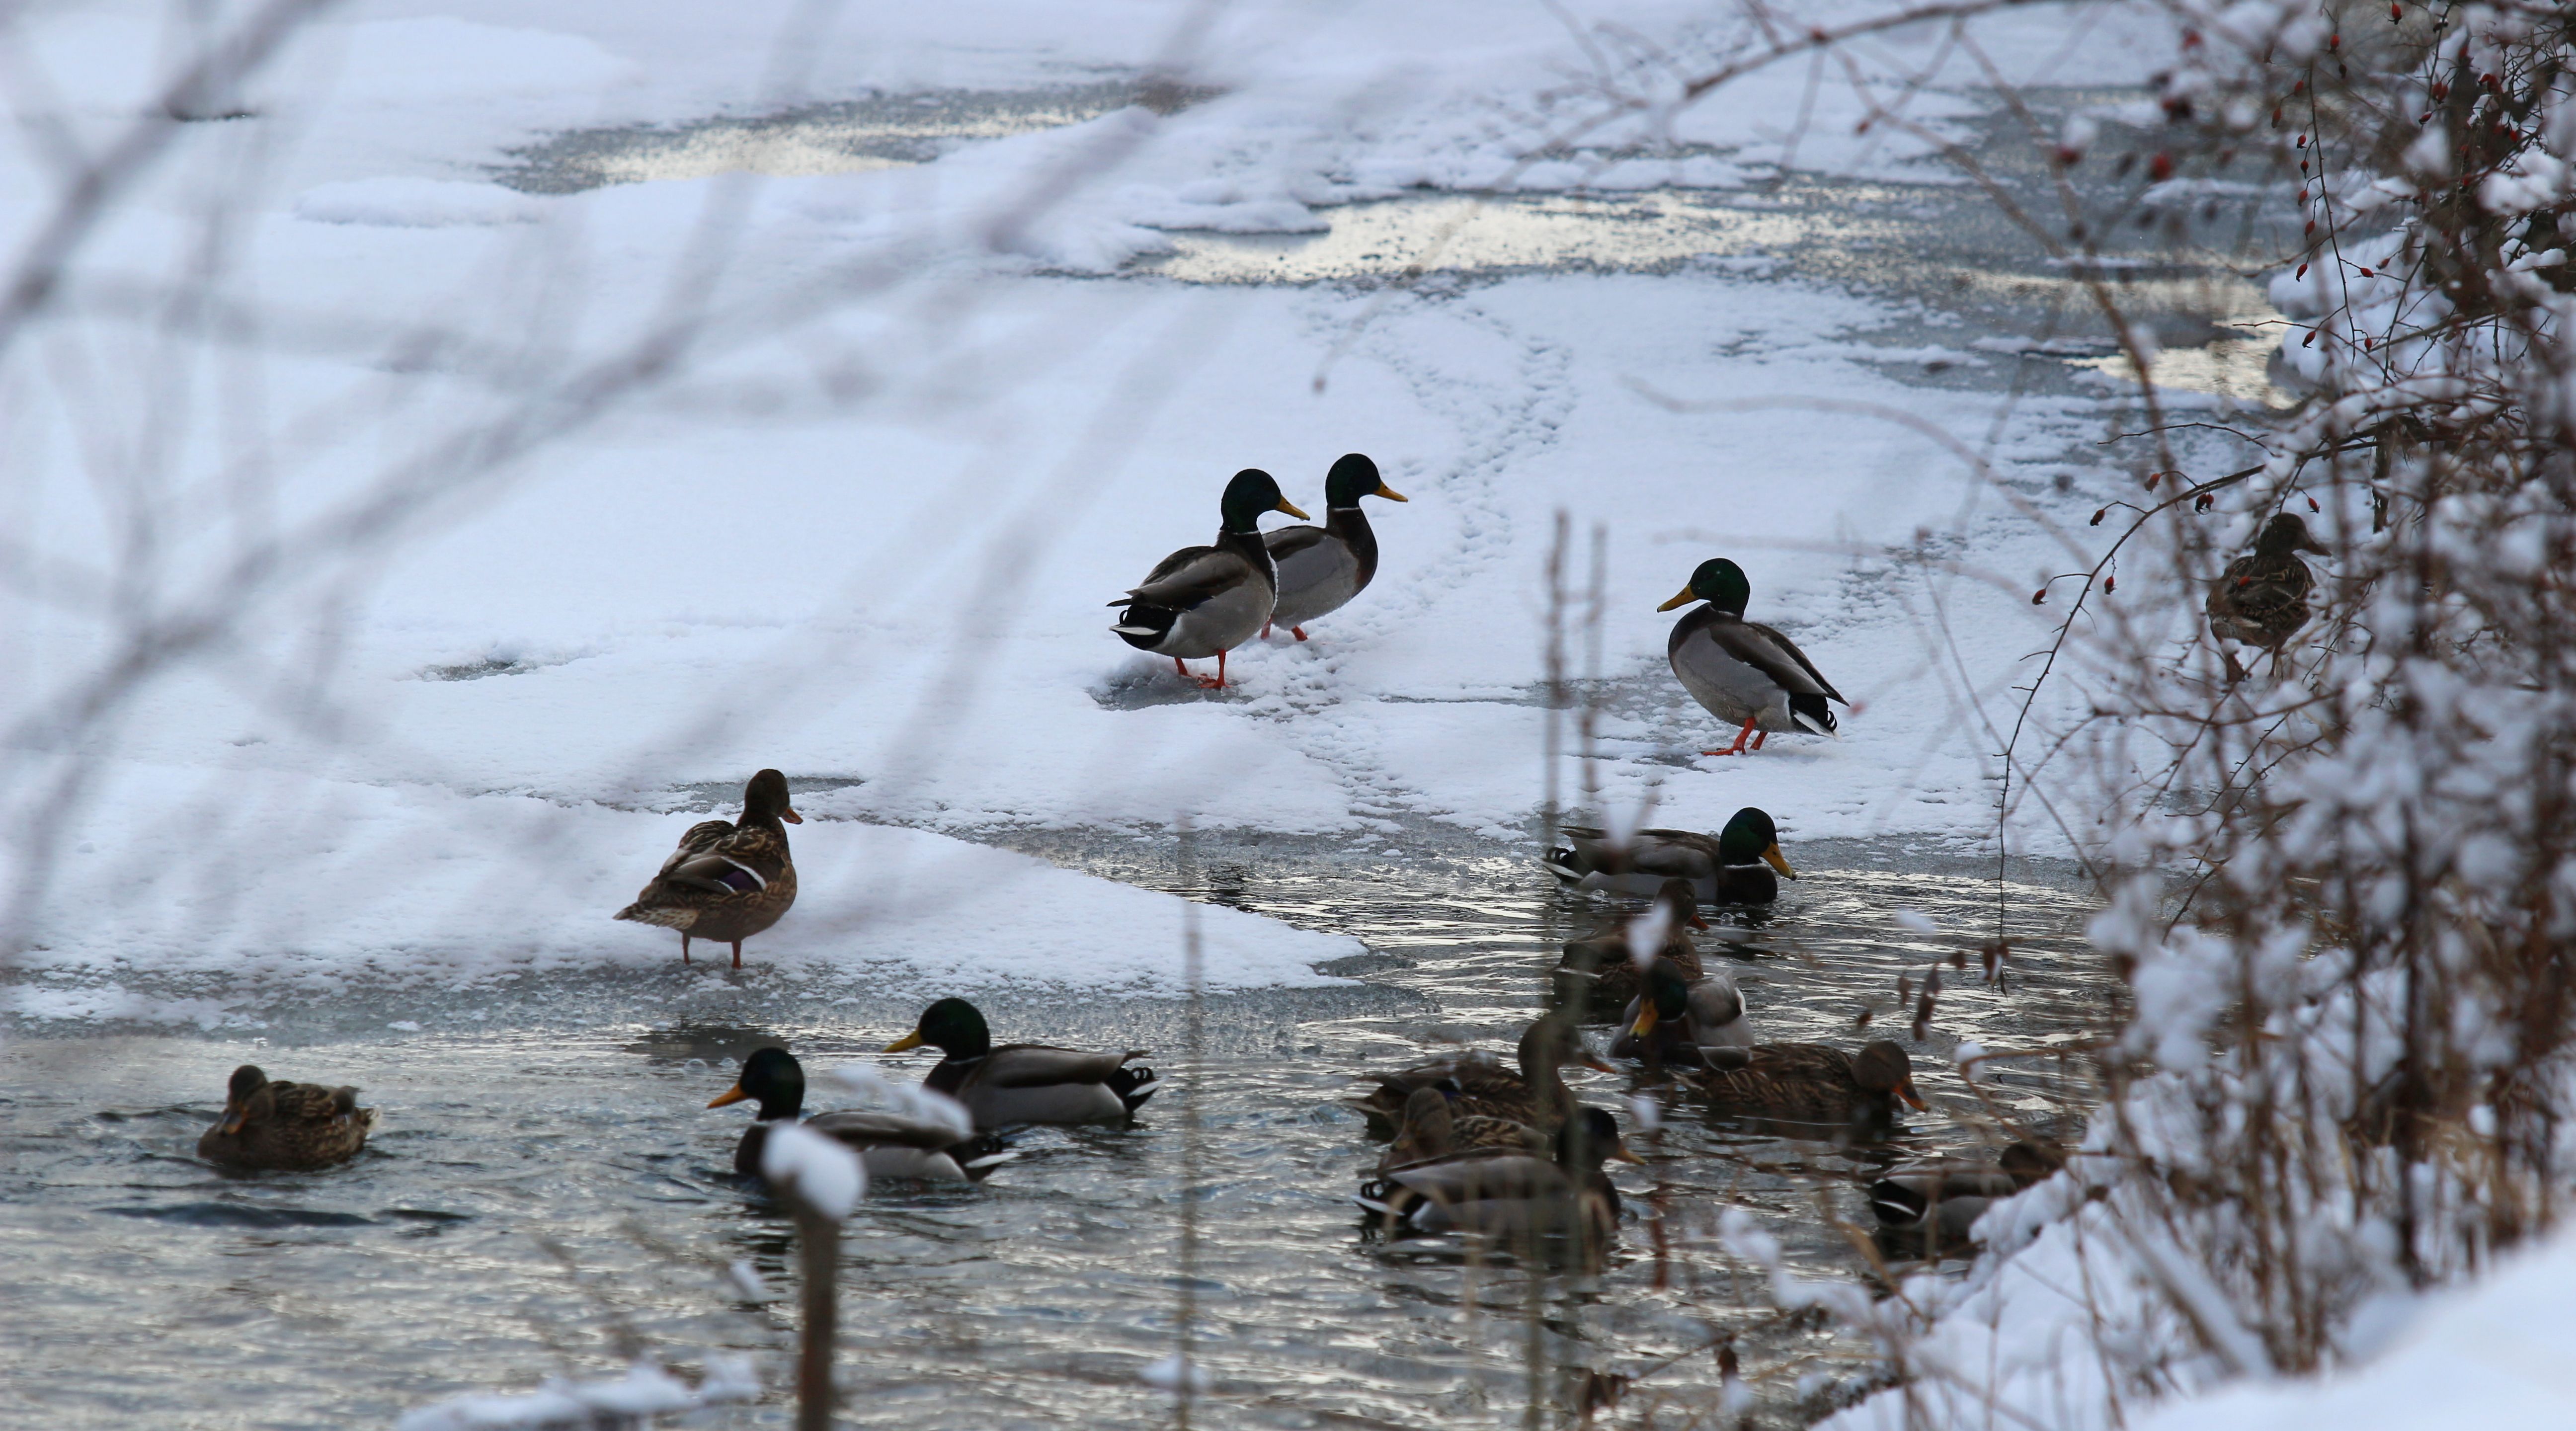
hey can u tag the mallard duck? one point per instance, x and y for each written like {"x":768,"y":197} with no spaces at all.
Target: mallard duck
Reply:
{"x":285,"y":1127}
{"x":1431,"y":1129}
{"x":891,"y":1145}
{"x":1536,"y":1096}
{"x":726,"y":882}
{"x":1517,"y":1195}
{"x":1734,"y":866}
{"x":1810,"y":1083}
{"x":1681,"y":1021}
{"x":1948,"y":1196}
{"x":1024,"y":1082}
{"x":1322,"y":568}
{"x":2262,"y":599}
{"x":1205,"y":601}
{"x":1743,"y":670}
{"x":1600,"y":972}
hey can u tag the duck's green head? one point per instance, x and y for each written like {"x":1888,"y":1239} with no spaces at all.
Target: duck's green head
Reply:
{"x":765,"y":798}
{"x":1667,"y":997}
{"x":1719,"y":582}
{"x":246,"y":1080}
{"x":775,"y":1078}
{"x":1251,"y":493}
{"x":1882,"y":1067}
{"x":1751,"y":836}
{"x":953,"y":1026}
{"x":1589,"y":1138}
{"x":1352,"y":478}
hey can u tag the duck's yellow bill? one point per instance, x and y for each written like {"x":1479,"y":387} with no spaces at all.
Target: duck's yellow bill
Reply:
{"x":1619,"y":1154}
{"x":1684,"y":599}
{"x":910,"y":1040}
{"x":1778,"y":861}
{"x":1645,"y":1022}
{"x":730,"y":1095}
{"x":1389,"y":493}
{"x":1291,"y":509}
{"x":1912,"y":1099}
{"x":791,"y":817}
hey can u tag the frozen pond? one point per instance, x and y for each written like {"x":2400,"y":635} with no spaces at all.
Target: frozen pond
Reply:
{"x":550,"y":1195}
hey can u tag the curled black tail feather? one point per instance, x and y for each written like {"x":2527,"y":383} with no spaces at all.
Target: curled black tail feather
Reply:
{"x":1807,"y":708}
{"x":1134,"y":1084}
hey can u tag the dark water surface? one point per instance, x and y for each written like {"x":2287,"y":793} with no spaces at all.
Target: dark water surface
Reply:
{"x":546,"y":1194}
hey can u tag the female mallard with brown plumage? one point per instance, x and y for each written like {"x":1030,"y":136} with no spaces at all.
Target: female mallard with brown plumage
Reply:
{"x":1599,"y":972}
{"x":1733,"y":866}
{"x":728,"y":880}
{"x":1535,"y":1096}
{"x":1811,"y":1083}
{"x":1432,"y":1129}
{"x":2262,"y":598}
{"x":285,"y":1127}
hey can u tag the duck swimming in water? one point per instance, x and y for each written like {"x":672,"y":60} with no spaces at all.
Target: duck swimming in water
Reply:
{"x":890,"y":1145}
{"x":1024,"y":1082}
{"x":1738,"y":865}
{"x":285,"y":1127}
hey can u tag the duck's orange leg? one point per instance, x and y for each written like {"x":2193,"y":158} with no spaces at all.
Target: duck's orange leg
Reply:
{"x":684,"y":946}
{"x":737,"y":953}
{"x":1740,"y":737}
{"x":1297,"y":631}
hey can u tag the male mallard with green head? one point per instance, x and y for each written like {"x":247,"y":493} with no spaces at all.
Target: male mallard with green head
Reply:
{"x":1322,"y":568}
{"x":891,"y":1145}
{"x":726,"y":881}
{"x":1686,"y":1021}
{"x":1024,"y":1082}
{"x":285,"y":1127}
{"x":2262,"y":598}
{"x":1734,"y":866}
{"x":1947,"y":1196}
{"x":1205,"y":601}
{"x":1743,"y":671}
{"x":1511,"y":1194}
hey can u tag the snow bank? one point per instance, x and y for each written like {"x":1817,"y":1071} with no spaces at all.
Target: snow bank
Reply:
{"x":330,"y":889}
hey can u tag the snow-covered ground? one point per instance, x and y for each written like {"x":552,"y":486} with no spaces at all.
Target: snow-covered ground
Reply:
{"x":360,"y":609}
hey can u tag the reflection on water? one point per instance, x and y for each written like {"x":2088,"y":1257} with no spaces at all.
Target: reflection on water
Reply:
{"x":544,"y":1202}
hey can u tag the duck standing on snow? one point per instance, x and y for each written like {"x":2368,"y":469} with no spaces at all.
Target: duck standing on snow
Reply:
{"x":1205,"y":601}
{"x":1726,"y":868}
{"x":890,"y":1145}
{"x":2262,"y":598}
{"x":285,"y":1127}
{"x":1743,"y":671}
{"x":1024,"y":1082}
{"x":1322,"y":568}
{"x":726,"y":881}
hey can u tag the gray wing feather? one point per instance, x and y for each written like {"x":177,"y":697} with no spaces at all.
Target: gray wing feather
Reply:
{"x":1207,"y":573}
{"x":1775,"y":656}
{"x":1029,"y":1065}
{"x":862,"y":1129}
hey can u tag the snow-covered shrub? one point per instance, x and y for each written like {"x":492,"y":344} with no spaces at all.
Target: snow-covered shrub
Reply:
{"x":2343,"y":882}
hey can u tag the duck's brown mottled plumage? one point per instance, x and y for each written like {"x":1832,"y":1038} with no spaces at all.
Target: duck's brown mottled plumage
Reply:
{"x":1536,"y":1096}
{"x":1598,"y":974}
{"x":1809,"y":1082}
{"x":728,"y":880}
{"x":285,"y":1126}
{"x":1432,"y":1130}
{"x":2262,"y":598}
